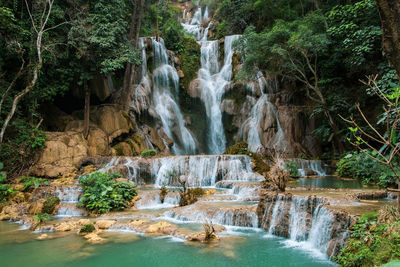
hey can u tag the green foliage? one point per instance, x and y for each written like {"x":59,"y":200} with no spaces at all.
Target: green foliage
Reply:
{"x":41,"y":218}
{"x":369,"y":171}
{"x":189,"y":56}
{"x":20,"y":151}
{"x":292,"y":168}
{"x":5,"y":190}
{"x":31,"y":183}
{"x":357,"y":32}
{"x":240,"y":148}
{"x":87,"y":228}
{"x":371,"y":243}
{"x":50,"y":204}
{"x":102,"y":193}
{"x":148,"y":153}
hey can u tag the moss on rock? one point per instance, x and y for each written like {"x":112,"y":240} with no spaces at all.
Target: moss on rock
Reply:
{"x":50,"y":204}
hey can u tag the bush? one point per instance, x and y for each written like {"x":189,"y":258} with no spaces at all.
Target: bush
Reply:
{"x":87,"y":228}
{"x":240,"y":148}
{"x":50,"y":204}
{"x":41,"y":218}
{"x":358,"y":165}
{"x":148,"y":153}
{"x":31,"y":183}
{"x":293,"y":169}
{"x":102,"y":193}
{"x":371,"y":243}
{"x":5,"y":190}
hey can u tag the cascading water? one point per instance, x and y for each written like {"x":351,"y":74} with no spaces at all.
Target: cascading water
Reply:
{"x":213,"y":79}
{"x":251,"y":129}
{"x":306,"y":222}
{"x":69,"y":198}
{"x":204,"y":171}
{"x":165,"y":98}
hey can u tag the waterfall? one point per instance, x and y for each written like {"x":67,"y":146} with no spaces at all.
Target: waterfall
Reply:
{"x":198,"y":171}
{"x":69,"y":197}
{"x":252,"y":129}
{"x":229,"y":217}
{"x":165,"y":98}
{"x":306,"y":221}
{"x":315,"y":167}
{"x":213,"y":79}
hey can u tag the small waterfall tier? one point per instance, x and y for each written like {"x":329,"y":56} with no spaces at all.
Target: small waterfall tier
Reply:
{"x":216,"y":213}
{"x":197,"y":171}
{"x":69,"y":197}
{"x":306,"y":221}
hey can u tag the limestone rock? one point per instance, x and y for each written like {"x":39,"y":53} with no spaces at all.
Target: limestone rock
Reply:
{"x":63,"y":153}
{"x":43,"y":237}
{"x":112,"y":120}
{"x":228,"y":106}
{"x":66,"y":227}
{"x":195,"y":90}
{"x":105,"y":224}
{"x":94,"y":238}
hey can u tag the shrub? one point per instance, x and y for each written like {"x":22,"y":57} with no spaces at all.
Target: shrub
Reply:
{"x":41,"y":218}
{"x":31,"y":183}
{"x":240,"y":148}
{"x":50,"y":204}
{"x":369,"y":171}
{"x":87,"y":228}
{"x":148,"y":153}
{"x":102,"y":193}
{"x":5,"y":190}
{"x":371,"y":243}
{"x":293,"y":169}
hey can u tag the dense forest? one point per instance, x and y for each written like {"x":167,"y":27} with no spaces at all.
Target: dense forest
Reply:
{"x":287,"y":84}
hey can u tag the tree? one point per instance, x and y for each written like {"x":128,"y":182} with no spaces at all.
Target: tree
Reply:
{"x":40,"y":27}
{"x":380,"y":144}
{"x":133,"y":38}
{"x":98,"y":35}
{"x":292,"y":50}
{"x":389,"y":11}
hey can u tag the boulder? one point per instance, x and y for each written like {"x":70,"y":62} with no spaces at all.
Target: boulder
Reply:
{"x":112,"y":120}
{"x":63,"y":153}
{"x":105,"y":224}
{"x":94,"y":238}
{"x":66,"y":227}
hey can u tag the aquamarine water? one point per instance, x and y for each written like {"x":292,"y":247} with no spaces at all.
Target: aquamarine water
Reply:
{"x":17,"y":248}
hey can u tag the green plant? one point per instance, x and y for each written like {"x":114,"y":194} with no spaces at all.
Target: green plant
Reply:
{"x":292,"y":167}
{"x":239,"y":148}
{"x":87,"y":228}
{"x":41,"y":218}
{"x":372,"y":243}
{"x":50,"y":204}
{"x":148,"y":153}
{"x":31,"y":183}
{"x":5,"y":190}
{"x":102,"y":193}
{"x":360,"y":166}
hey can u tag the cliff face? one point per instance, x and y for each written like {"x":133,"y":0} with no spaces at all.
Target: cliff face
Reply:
{"x":305,"y":219}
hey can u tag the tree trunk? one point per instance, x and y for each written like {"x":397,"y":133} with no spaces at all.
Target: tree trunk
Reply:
{"x":87,"y":111}
{"x":134,"y":33}
{"x":389,"y":12}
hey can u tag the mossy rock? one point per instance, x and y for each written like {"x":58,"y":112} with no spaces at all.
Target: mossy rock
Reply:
{"x":87,"y":228}
{"x":190,"y":58}
{"x":50,"y":204}
{"x":240,"y":148}
{"x":148,"y":153}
